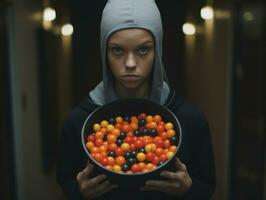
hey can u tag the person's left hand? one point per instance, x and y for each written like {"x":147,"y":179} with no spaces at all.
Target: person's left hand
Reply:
{"x":175,"y":183}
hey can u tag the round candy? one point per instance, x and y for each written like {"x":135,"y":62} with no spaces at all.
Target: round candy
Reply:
{"x":132,"y":144}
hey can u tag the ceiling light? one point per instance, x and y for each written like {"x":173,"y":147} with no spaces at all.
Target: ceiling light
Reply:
{"x":49,"y":14}
{"x":207,"y":13}
{"x":189,"y":29}
{"x":67,"y":30}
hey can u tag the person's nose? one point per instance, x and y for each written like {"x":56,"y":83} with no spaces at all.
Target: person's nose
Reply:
{"x":130,"y":61}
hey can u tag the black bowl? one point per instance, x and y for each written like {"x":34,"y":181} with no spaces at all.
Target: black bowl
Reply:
{"x":129,"y":107}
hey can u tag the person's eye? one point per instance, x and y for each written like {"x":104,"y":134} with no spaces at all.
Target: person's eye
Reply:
{"x":143,"y":51}
{"x":117,"y":51}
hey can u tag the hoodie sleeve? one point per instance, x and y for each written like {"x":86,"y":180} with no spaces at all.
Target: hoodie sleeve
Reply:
{"x":201,"y":165}
{"x":67,"y":167}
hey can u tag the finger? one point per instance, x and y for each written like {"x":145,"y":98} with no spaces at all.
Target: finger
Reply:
{"x":110,"y":188}
{"x":180,"y":166}
{"x":94,"y":181}
{"x":170,"y":175}
{"x":101,"y":187}
{"x":84,"y":174}
{"x":88,"y":169}
{"x":104,"y":187}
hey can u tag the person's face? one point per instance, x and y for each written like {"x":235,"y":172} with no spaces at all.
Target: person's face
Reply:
{"x":131,"y":54}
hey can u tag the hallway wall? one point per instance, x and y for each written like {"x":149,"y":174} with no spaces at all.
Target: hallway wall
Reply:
{"x":208,"y":84}
{"x":33,"y":183}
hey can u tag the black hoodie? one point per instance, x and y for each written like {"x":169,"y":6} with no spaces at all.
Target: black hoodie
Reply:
{"x":195,"y":152}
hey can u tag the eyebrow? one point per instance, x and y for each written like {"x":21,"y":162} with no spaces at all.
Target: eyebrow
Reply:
{"x":141,"y":44}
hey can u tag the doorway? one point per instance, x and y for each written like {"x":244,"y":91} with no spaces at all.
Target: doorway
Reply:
{"x":249,"y":97}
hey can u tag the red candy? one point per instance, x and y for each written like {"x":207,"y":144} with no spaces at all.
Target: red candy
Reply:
{"x":134,"y":144}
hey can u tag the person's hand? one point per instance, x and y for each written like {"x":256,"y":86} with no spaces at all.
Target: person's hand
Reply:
{"x":175,"y":183}
{"x":93,"y":187}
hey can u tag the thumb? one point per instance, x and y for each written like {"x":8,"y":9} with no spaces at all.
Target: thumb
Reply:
{"x":85,"y":173}
{"x":180,"y":166}
{"x":88,"y":168}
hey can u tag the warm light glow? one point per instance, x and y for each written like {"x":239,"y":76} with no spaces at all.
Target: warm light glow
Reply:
{"x":248,"y":16}
{"x":67,"y":30}
{"x":207,"y":13}
{"x":189,"y":29}
{"x":49,"y":14}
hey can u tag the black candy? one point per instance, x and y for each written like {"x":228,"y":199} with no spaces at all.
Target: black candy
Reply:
{"x":112,"y":154}
{"x":125,"y":167}
{"x":153,"y":132}
{"x":119,"y":142}
{"x":173,"y":140}
{"x":111,"y":121}
{"x":122,"y":135}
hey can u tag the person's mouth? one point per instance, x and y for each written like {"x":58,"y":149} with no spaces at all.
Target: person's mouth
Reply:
{"x":130,"y":77}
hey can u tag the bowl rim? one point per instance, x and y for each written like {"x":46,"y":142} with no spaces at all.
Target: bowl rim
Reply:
{"x":125,"y":100}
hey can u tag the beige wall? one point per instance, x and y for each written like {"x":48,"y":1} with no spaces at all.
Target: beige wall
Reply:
{"x":208,"y":65}
{"x":33,"y":183}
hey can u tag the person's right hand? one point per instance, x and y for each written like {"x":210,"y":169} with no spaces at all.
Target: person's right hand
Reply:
{"x":93,"y":187}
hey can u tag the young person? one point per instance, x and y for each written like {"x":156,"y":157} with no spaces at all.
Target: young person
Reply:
{"x":131,"y":51}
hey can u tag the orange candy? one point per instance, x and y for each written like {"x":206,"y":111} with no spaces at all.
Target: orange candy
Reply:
{"x":99,"y":134}
{"x":120,"y":160}
{"x":89,"y":145}
{"x":116,"y":132}
{"x":134,"y":119}
{"x":111,"y":138}
{"x":112,"y":146}
{"x":111,"y":160}
{"x":94,"y":150}
{"x":107,"y":137}
{"x":119,"y":119}
{"x":149,"y":118}
{"x":170,"y":133}
{"x":157,"y":118}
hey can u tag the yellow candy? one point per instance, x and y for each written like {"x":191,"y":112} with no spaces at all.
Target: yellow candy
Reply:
{"x":104,"y":123}
{"x":117,"y":168}
{"x":109,"y":128}
{"x":169,"y":126}
{"x":96,"y":127}
{"x":169,"y":154}
{"x":125,"y":146}
{"x":141,"y":157}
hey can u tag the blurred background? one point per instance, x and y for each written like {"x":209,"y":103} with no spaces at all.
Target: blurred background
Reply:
{"x":214,"y":54}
